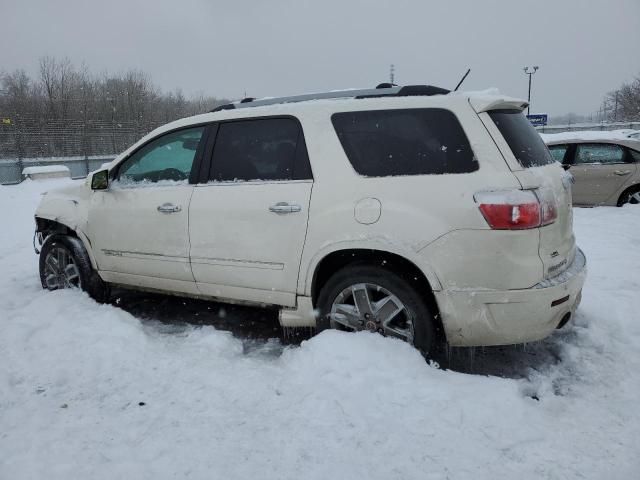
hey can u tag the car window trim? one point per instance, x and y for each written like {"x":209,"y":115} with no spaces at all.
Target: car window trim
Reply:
{"x":207,"y":166}
{"x":570,"y":154}
{"x":197,"y":160}
{"x":228,"y":183}
{"x":628,"y":152}
{"x":205,"y":160}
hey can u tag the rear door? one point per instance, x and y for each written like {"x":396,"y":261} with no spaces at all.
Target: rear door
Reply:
{"x":248,"y":221}
{"x":536,"y":169}
{"x":600,"y":170}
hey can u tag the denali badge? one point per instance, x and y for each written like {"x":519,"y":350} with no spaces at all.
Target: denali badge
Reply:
{"x":556,"y":267}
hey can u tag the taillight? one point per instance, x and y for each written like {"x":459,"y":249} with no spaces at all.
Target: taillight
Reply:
{"x":517,"y":209}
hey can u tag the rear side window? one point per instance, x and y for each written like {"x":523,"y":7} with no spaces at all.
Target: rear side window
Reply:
{"x":383,"y":143}
{"x":264,"y":149}
{"x":523,"y":140}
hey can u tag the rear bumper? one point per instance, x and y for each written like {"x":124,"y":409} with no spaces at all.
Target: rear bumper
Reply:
{"x":490,"y":317}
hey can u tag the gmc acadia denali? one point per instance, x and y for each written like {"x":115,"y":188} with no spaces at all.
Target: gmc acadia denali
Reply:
{"x":415,"y":212}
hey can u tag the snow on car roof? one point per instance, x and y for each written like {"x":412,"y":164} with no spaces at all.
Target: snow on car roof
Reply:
{"x":586,"y":135}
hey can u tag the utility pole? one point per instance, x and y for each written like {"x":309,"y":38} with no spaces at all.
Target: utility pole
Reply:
{"x":392,"y":70}
{"x":530,"y":73}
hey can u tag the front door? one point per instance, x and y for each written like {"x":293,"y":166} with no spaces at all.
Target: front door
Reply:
{"x":599,"y":170}
{"x":139,"y":226}
{"x":248,"y":223}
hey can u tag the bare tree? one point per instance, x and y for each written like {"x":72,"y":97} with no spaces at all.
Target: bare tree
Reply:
{"x":67,"y":110}
{"x":623,"y":104}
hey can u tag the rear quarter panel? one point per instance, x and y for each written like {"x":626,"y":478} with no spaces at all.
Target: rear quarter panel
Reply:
{"x":432,"y":220}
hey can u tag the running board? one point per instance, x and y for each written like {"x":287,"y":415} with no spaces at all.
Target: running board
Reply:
{"x":302,"y":316}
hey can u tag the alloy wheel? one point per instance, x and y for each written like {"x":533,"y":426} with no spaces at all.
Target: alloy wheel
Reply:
{"x":60,"y":270}
{"x":367,"y":306}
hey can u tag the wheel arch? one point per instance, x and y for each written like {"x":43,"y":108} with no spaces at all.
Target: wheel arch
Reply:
{"x":48,"y":226}
{"x":337,"y":259}
{"x":630,"y":189}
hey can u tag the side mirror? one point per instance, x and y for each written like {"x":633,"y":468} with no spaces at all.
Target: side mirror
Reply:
{"x":100,"y":180}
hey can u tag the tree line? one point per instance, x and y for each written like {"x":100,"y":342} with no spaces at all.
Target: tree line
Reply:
{"x":623,"y":104}
{"x":66,"y":109}
{"x":619,"y":105}
{"x":63,"y":91}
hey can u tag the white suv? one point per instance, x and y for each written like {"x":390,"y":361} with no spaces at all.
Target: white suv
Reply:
{"x":411,"y":211}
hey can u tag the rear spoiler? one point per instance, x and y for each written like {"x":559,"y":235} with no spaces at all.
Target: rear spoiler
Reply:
{"x":482,"y":103}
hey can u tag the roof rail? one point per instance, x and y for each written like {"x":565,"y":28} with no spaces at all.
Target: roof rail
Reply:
{"x":381,"y":91}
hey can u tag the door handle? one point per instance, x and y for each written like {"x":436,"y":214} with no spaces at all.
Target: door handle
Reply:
{"x":284,"y":207}
{"x":622,"y":172}
{"x":169,"y":208}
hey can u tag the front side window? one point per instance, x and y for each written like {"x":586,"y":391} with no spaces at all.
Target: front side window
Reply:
{"x":382,"y":143}
{"x":599,"y":153}
{"x":558,"y":152}
{"x":523,"y":139}
{"x":261,"y":149}
{"x":166,"y":159}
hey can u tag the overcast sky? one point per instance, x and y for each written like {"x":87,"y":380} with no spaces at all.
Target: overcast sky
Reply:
{"x":270,"y":48}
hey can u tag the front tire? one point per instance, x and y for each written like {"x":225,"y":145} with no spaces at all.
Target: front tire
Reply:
{"x":64,"y":263}
{"x":369,"y":298}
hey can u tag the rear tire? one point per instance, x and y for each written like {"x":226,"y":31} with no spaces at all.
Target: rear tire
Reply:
{"x":405,"y":314}
{"x":631,"y":196}
{"x":64,"y":263}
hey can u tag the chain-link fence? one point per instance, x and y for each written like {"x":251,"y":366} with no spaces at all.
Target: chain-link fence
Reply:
{"x":11,"y":170}
{"x":84,"y":146}
{"x":81,"y":146}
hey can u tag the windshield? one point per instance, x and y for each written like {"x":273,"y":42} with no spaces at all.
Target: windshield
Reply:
{"x":525,"y":142}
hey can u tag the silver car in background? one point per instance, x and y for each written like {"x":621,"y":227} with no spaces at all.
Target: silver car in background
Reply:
{"x":605,"y":165}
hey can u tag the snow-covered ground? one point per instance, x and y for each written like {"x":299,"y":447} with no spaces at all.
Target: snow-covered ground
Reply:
{"x":89,"y":391}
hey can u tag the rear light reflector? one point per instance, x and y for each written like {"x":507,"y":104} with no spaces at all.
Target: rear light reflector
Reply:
{"x":517,"y":209}
{"x":548,"y":208}
{"x":560,"y":301}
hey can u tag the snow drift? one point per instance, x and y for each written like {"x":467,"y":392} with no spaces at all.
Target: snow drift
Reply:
{"x":88,"y":391}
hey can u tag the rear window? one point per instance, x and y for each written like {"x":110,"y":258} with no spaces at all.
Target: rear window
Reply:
{"x":525,"y":142}
{"x":384,"y":143}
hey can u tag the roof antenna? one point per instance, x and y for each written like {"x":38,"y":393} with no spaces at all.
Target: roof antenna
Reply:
{"x":461,"y":80}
